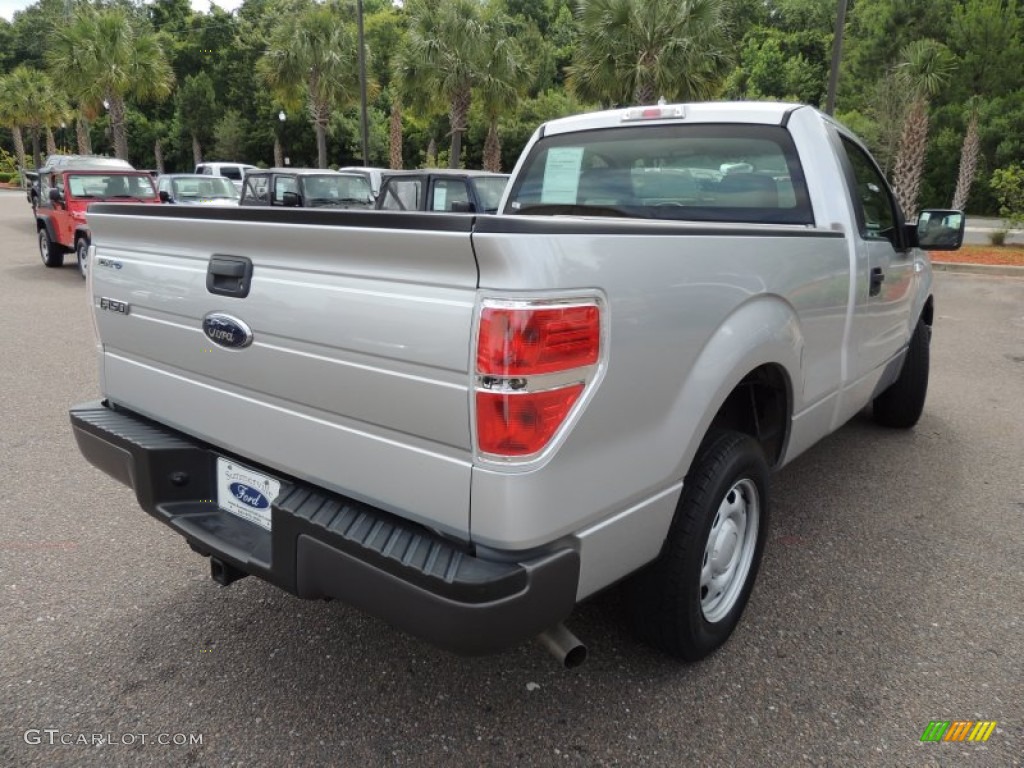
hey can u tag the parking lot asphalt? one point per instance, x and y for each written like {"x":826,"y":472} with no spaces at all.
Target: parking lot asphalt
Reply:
{"x":890,"y":596}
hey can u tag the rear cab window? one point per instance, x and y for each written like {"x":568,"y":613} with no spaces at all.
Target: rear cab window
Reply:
{"x":698,"y":172}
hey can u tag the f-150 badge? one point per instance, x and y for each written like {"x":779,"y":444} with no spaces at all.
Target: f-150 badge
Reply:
{"x":227,"y":331}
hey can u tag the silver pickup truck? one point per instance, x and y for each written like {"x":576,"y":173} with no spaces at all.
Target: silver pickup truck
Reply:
{"x":467,"y":425}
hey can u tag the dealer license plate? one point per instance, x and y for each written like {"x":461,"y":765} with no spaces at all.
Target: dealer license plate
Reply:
{"x":245,"y":492}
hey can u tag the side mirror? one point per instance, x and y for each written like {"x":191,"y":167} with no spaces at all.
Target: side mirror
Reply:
{"x":939,"y":230}
{"x":55,"y":196}
{"x":291,"y":199}
{"x":463,"y":206}
{"x":165,"y":196}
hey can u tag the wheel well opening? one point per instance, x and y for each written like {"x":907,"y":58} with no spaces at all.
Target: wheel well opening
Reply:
{"x":928,"y":312}
{"x":759,"y":406}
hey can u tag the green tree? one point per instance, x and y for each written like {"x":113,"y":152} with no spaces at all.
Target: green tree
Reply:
{"x":1008,"y":184}
{"x":447,"y":53}
{"x":107,"y":55}
{"x":633,"y":51}
{"x":313,"y":52}
{"x":197,"y":110}
{"x":229,"y":135}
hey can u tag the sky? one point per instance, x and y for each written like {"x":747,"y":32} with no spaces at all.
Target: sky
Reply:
{"x":8,"y":7}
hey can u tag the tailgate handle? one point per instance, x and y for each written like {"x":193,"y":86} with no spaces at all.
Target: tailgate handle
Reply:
{"x":229,"y":276}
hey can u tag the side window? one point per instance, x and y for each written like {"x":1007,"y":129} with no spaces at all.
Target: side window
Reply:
{"x":402,"y":195}
{"x":447,"y":192}
{"x":283,"y":184}
{"x":876,"y":208}
{"x":231,"y":172}
{"x":256,"y":188}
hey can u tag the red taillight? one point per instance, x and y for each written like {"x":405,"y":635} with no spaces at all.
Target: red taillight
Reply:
{"x":521,"y":424}
{"x":521,"y":342}
{"x":533,"y":361}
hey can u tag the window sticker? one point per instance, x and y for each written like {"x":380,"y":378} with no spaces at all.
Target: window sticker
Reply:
{"x":562,"y":175}
{"x":440,"y":196}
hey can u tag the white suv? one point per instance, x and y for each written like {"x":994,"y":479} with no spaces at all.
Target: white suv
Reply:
{"x":234,"y":171}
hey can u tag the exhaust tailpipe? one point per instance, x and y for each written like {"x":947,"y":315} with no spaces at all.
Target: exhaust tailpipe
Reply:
{"x":564,"y":646}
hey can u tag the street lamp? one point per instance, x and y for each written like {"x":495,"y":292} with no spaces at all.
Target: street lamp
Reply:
{"x":282,"y":117}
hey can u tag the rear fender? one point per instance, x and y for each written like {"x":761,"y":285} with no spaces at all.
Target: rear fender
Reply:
{"x":763,"y":331}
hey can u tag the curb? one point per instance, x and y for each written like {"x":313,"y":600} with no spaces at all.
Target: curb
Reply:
{"x":993,"y":270}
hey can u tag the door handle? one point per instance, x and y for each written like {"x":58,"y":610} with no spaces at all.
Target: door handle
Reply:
{"x":229,"y":276}
{"x":877,"y":278}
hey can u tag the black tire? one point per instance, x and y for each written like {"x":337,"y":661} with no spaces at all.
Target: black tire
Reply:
{"x":900,"y":405}
{"x":667,"y":598}
{"x":81,"y":254}
{"x":50,"y":252}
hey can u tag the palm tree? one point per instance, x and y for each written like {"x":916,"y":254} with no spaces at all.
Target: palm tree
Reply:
{"x":15,"y":111}
{"x":925,"y":68}
{"x":447,"y":44}
{"x":106,"y":55}
{"x":968,"y":159}
{"x":633,"y":51}
{"x":313,"y":51}
{"x":505,"y":77}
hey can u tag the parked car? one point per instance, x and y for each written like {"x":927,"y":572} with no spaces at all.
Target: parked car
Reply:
{"x":466,"y":425}
{"x":306,"y":188}
{"x":56,"y":162}
{"x":193,"y":189}
{"x":452,"y":191}
{"x":234,"y":171}
{"x":65,"y":195}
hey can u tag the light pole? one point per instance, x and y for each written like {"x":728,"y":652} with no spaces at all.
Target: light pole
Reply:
{"x":364,"y":128}
{"x":281,"y":116}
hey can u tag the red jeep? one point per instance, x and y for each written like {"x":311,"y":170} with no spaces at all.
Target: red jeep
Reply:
{"x":65,"y":195}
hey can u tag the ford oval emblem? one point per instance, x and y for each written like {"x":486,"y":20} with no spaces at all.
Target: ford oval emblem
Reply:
{"x":249,"y":496}
{"x":227,"y":331}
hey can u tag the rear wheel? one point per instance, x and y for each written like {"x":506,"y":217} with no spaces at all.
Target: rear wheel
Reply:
{"x":82,"y":253}
{"x":50,"y":252}
{"x":689,"y":600}
{"x":901,"y":404}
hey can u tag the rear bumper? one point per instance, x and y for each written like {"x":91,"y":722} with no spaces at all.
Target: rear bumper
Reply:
{"x":325,"y":545}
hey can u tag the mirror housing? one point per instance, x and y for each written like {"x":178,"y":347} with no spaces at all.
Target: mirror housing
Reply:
{"x":165,"y":196}
{"x":291,"y":199}
{"x":938,"y":229}
{"x":463,"y":206}
{"x":55,"y":196}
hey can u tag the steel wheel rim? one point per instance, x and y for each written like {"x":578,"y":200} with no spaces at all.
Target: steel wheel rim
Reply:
{"x":44,"y":246}
{"x":729,"y":550}
{"x":82,"y":255}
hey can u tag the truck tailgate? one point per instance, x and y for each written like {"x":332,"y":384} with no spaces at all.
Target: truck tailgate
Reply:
{"x":357,"y":372}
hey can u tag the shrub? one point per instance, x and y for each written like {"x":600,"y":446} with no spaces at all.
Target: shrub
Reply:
{"x":997,"y":237}
{"x":4,"y":177}
{"x":1008,"y":184}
